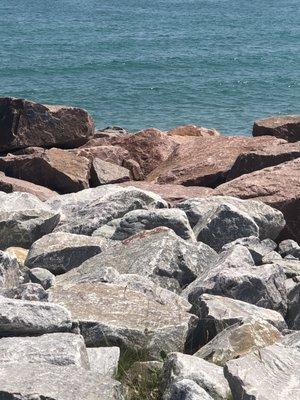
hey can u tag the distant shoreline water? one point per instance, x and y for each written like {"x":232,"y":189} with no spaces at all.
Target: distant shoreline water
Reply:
{"x":215,"y":63}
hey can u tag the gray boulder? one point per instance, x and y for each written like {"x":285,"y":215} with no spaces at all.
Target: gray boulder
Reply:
{"x":186,"y":389}
{"x":104,"y":360}
{"x":111,"y":315}
{"x":26,"y":291}
{"x":24,"y":219}
{"x":42,"y":276}
{"x":104,"y":172}
{"x":289,"y":248}
{"x":269,"y":373}
{"x":271,"y":257}
{"x":83,"y":213}
{"x":269,"y":220}
{"x":291,"y":268}
{"x":139,"y":220}
{"x":208,"y":376}
{"x":10,"y":273}
{"x":55,"y":348}
{"x":44,"y":381}
{"x":20,"y":317}
{"x":61,"y":251}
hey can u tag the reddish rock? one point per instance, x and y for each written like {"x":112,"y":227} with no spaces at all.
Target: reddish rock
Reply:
{"x":104,"y":172}
{"x":24,"y":123}
{"x":57,"y":169}
{"x":109,"y":153}
{"x":193,"y":130}
{"x":10,"y":185}
{"x":205,"y":161}
{"x":277,"y":186}
{"x":172,"y":193}
{"x":134,"y":168}
{"x":268,"y":157}
{"x":285,"y":127}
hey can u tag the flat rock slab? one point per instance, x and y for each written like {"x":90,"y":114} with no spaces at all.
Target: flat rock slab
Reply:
{"x":56,"y":349}
{"x":270,"y":373}
{"x":283,"y":126}
{"x":110,"y":315}
{"x":40,"y":382}
{"x":20,"y":317}
{"x":25,"y":123}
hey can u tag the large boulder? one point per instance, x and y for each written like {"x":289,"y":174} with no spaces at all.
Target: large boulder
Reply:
{"x":24,"y":123}
{"x":139,"y":220}
{"x":104,"y":172}
{"x":24,"y":219}
{"x":61,"y":251}
{"x":57,"y":169}
{"x":90,"y":209}
{"x":111,"y":315}
{"x":277,"y":186}
{"x":10,"y":273}
{"x":269,"y":221}
{"x":283,"y":126}
{"x":268,"y":373}
{"x":21,"y":317}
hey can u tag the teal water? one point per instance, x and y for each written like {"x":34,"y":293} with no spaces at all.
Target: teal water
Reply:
{"x":141,"y":63}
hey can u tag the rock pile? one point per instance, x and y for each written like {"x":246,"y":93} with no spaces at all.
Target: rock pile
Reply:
{"x":155,"y":265}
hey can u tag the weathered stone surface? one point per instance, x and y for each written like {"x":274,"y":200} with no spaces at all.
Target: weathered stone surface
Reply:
{"x":208,"y":376}
{"x":268,"y":157}
{"x":104,"y":172}
{"x":209,"y":254}
{"x":284,"y":126}
{"x":193,"y":130}
{"x":139,"y":220}
{"x":134,"y":167}
{"x":239,"y":339}
{"x":292,"y":340}
{"x":9,"y":185}
{"x":205,"y":161}
{"x":26,"y":291}
{"x":25,"y":123}
{"x":159,"y":252}
{"x":271,"y":257}
{"x":223,"y":225}
{"x":186,"y":389}
{"x":42,"y":276}
{"x":19,"y":253}
{"x":291,"y":268}
{"x":277,"y":186}
{"x":54,"y":348}
{"x":111,"y":131}
{"x":24,"y":219}
{"x":104,"y":360}
{"x":269,"y":221}
{"x":60,"y":252}
{"x":293,"y":314}
{"x":289,"y":248}
{"x":88,"y":210}
{"x":9,"y":270}
{"x":41,"y":382}
{"x":270,"y":373}
{"x":20,"y":317}
{"x":59,"y":170}
{"x":110,"y":315}
{"x":171,"y":193}
{"x":112,"y":154}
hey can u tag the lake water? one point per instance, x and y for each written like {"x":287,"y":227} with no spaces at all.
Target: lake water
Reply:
{"x":141,"y":63}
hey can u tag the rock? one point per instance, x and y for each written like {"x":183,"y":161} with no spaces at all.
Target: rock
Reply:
{"x":89,"y":210}
{"x":42,"y":276}
{"x":25,"y":123}
{"x":291,"y":268}
{"x":139,"y":220}
{"x":285,"y":126}
{"x":9,"y":185}
{"x":104,"y":172}
{"x":293,"y":314}
{"x":223,"y":225}
{"x":159,"y":252}
{"x":20,"y":317}
{"x":208,"y":376}
{"x":270,"y":373}
{"x":262,"y":285}
{"x":104,"y":360}
{"x":60,"y":252}
{"x":112,"y":131}
{"x":136,"y":172}
{"x":277,"y":186}
{"x":56,"y":169}
{"x":110,"y":315}
{"x":270,"y":221}
{"x":268,"y":157}
{"x":289,"y":247}
{"x":258,"y":249}
{"x":186,"y":389}
{"x":59,"y":349}
{"x":209,"y":254}
{"x":18,"y":382}
{"x":292,"y":340}
{"x":26,"y":291}
{"x":171,"y":193}
{"x":205,"y":161}
{"x":193,"y":130}
{"x":9,"y":270}
{"x":24,"y":219}
{"x":19,"y":253}
{"x":112,"y":154}
{"x":239,"y":339}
